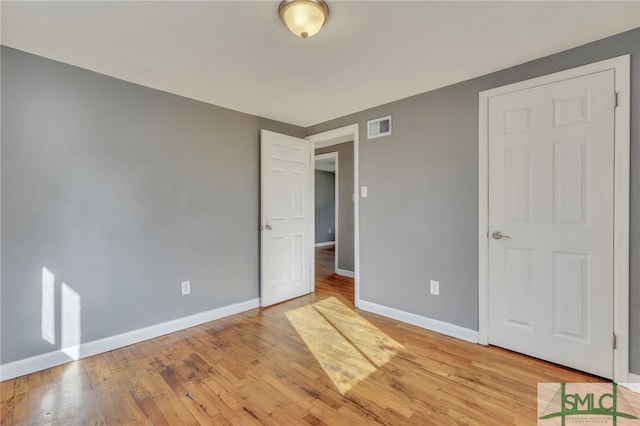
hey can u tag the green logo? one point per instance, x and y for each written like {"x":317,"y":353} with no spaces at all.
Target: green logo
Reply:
{"x":586,"y":402}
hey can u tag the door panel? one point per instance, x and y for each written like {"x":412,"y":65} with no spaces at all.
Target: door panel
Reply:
{"x":286,"y":217}
{"x":571,"y":295}
{"x":571,"y":183}
{"x":517,"y":273}
{"x":517,"y":184}
{"x":551,"y":194}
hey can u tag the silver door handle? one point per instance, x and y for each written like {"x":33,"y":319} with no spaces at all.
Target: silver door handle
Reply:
{"x":497,"y":235}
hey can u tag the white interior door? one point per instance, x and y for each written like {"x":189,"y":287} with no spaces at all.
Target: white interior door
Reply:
{"x":551,"y":183}
{"x":287,"y":242}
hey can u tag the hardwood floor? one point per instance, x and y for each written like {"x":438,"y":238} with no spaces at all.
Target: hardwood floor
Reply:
{"x":327,"y":282}
{"x":313,"y":360}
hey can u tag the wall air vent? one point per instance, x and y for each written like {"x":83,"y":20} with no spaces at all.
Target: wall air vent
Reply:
{"x":379,"y":127}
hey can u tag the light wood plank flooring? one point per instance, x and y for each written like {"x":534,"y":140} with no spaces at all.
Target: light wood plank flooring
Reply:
{"x":312,"y":360}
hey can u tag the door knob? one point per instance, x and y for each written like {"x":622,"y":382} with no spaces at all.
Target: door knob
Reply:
{"x":497,"y":235}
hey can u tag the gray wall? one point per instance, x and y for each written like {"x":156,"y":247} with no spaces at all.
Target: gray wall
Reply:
{"x":325,"y":184}
{"x":122,"y":192}
{"x":419,"y":221}
{"x":345,"y":202}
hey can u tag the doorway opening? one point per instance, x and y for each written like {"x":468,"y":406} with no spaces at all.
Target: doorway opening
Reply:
{"x":331,"y":215}
{"x":336,"y":175}
{"x":327,"y":200}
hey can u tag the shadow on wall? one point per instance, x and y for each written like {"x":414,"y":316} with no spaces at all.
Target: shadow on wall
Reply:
{"x":71,"y":306}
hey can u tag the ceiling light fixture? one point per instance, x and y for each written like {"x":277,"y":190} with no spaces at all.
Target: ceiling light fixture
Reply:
{"x":304,"y":18}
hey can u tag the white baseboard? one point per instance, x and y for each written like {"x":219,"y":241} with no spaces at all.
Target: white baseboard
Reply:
{"x":326,"y":244}
{"x":345,"y":273}
{"x":420,"y":321}
{"x":52,"y":359}
{"x":633,"y":383}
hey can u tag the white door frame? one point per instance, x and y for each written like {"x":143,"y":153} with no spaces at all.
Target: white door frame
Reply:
{"x":621,"y":66}
{"x":334,"y":137}
{"x":336,"y":201}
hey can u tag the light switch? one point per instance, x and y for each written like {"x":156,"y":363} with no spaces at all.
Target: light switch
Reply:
{"x":363,"y":191}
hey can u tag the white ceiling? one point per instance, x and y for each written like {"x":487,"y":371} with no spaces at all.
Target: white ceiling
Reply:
{"x":236,"y":54}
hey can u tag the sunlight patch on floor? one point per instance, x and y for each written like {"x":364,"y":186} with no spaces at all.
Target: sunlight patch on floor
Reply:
{"x":348,"y":347}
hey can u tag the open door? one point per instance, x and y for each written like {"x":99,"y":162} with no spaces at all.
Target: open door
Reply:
{"x":287,"y":241}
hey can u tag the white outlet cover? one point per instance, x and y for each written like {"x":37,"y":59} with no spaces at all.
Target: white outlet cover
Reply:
{"x":435,"y":287}
{"x":186,"y":287}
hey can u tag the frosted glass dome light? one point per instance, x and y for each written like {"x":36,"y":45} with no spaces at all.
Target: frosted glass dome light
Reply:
{"x":304,"y":18}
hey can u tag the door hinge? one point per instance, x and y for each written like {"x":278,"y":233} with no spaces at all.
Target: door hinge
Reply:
{"x":615,"y":341}
{"x":615,"y":99}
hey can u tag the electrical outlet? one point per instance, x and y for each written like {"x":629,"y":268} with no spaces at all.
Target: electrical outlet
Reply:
{"x":329,"y":230}
{"x":186,"y":287}
{"x":435,"y":287}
